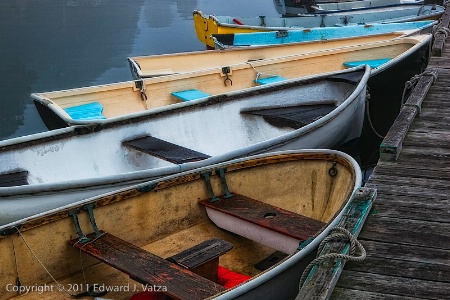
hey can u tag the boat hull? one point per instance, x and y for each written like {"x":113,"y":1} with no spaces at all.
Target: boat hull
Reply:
{"x":207,"y":25}
{"x":82,"y":156}
{"x":129,"y":215}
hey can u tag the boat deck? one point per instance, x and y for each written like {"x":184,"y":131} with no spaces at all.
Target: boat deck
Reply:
{"x":407,"y":233}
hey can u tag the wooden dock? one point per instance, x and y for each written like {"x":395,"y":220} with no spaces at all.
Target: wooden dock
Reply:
{"x":407,"y":234}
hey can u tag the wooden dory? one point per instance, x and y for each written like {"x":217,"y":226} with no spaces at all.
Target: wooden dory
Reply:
{"x":264,"y":215}
{"x":47,"y":170}
{"x":223,"y":41}
{"x":206,"y":73}
{"x":167,"y":64}
{"x":207,"y":25}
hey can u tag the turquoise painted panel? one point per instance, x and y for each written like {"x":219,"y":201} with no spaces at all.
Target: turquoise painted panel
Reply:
{"x":323,"y":33}
{"x":373,"y":63}
{"x":268,"y":80}
{"x":89,"y":111}
{"x":189,"y":95}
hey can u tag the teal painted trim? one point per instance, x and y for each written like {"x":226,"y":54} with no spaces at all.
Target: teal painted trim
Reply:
{"x":89,"y":111}
{"x":268,"y":80}
{"x":189,"y":95}
{"x":323,"y":33}
{"x":373,"y":63}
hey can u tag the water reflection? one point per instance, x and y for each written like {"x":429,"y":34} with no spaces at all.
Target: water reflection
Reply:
{"x":52,"y":45}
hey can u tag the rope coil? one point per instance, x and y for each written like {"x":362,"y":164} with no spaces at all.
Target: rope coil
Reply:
{"x":336,"y":233}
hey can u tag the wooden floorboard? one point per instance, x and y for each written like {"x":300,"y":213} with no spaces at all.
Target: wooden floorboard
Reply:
{"x":407,"y":234}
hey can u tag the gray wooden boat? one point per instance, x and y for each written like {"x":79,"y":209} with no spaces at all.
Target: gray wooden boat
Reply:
{"x":295,"y":7}
{"x":174,"y":235}
{"x":47,"y":170}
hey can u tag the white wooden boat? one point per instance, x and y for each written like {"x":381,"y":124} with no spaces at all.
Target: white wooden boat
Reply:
{"x":225,"y":41}
{"x":168,"y":234}
{"x":295,"y":7}
{"x":47,"y":170}
{"x":207,"y":25}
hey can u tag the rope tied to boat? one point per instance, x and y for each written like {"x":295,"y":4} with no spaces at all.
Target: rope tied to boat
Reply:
{"x":443,"y":30}
{"x":60,"y":287}
{"x":336,"y":233}
{"x":369,"y":119}
{"x":258,"y":74}
{"x":410,"y":84}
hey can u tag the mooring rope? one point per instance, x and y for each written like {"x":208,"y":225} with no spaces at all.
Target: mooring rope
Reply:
{"x":369,"y":119}
{"x":335,"y":233}
{"x":444,"y":30}
{"x":410,"y":84}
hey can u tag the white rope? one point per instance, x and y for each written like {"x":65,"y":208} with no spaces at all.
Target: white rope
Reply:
{"x":258,"y":74}
{"x":60,"y":286}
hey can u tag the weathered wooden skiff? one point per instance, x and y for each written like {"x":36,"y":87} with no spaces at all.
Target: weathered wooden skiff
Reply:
{"x":207,"y":25}
{"x":263,"y":215}
{"x":51,"y":169}
{"x":205,"y":73}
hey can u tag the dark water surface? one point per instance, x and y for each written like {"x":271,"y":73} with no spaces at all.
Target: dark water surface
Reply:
{"x":48,"y":45}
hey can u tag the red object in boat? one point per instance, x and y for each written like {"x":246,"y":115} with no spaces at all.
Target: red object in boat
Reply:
{"x":226,"y":278}
{"x":237,"y":21}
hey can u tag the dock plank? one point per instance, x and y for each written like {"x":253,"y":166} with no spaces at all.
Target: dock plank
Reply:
{"x":394,"y":285}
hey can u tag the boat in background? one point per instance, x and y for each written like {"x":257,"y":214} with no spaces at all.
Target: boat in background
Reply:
{"x":295,"y":7}
{"x":169,"y":64}
{"x":223,"y":41}
{"x":207,"y":25}
{"x":150,"y":232}
{"x":45,"y":171}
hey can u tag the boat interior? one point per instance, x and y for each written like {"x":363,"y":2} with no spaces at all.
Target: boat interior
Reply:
{"x":166,"y":233}
{"x":157,"y":141}
{"x":117,"y":100}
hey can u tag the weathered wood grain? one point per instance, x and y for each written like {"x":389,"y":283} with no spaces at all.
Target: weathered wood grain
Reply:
{"x":350,"y":294}
{"x":148,"y":268}
{"x":323,"y":277}
{"x":268,"y":216}
{"x":408,"y":232}
{"x":393,"y":285}
{"x":391,"y":146}
{"x":440,"y":34}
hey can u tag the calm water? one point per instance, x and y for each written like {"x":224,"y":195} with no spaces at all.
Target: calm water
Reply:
{"x":49,"y":45}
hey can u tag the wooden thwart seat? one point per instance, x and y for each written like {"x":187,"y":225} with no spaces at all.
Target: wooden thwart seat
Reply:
{"x":267,"y":216}
{"x":165,"y":150}
{"x":14,"y":178}
{"x":203,"y":259}
{"x":294,"y":117}
{"x":148,"y":268}
{"x":189,"y":95}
